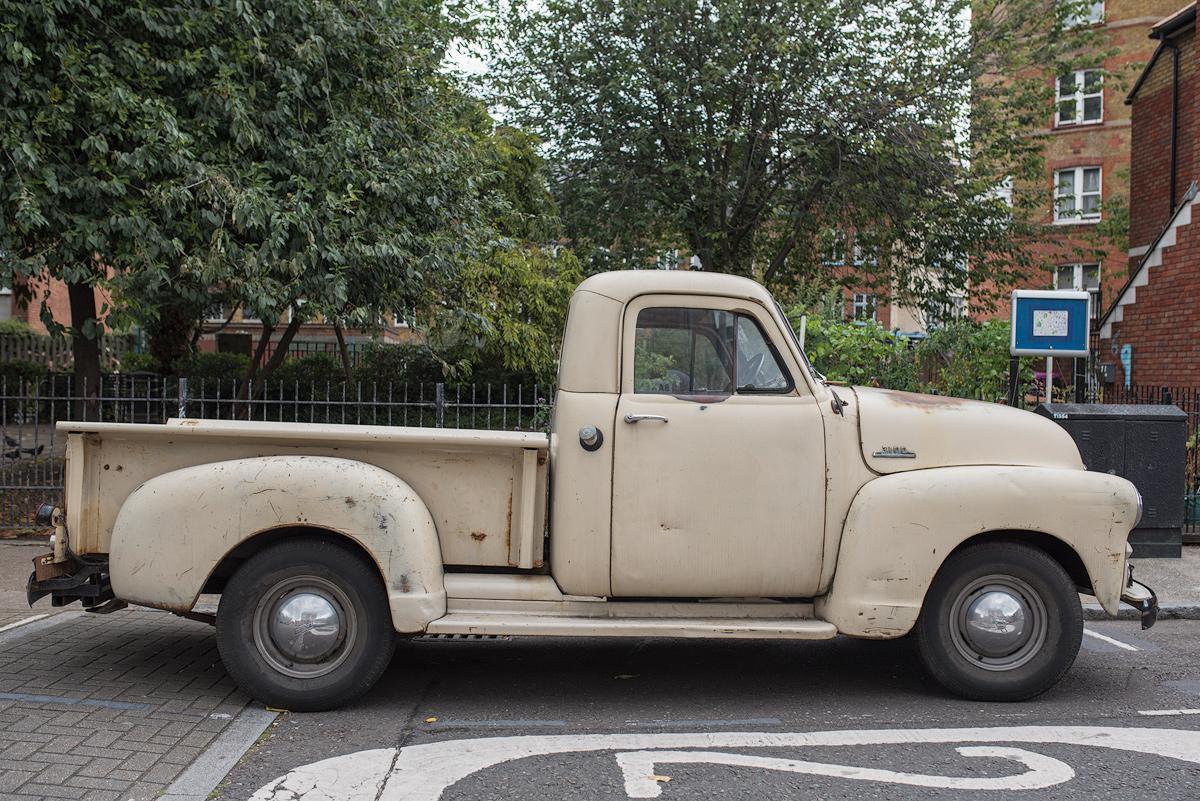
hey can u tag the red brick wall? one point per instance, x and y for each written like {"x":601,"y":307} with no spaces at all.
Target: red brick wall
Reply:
{"x":1163,"y":324}
{"x":55,"y":295}
{"x":1150,"y":163}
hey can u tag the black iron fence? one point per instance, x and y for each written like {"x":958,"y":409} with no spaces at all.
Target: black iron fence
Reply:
{"x":32,"y":465}
{"x":32,"y":460}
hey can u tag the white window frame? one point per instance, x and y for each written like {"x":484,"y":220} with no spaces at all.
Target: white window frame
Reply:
{"x":1095,"y":14}
{"x":1079,"y":271}
{"x":1071,"y":106}
{"x":833,"y":247}
{"x":1075,"y":195}
{"x":861,"y":303}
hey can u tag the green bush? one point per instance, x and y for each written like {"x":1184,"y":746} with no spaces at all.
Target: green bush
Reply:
{"x":220,"y":366}
{"x":19,"y":376}
{"x":140,"y":363}
{"x":318,"y":368}
{"x":15,"y":328}
{"x":862,"y":354}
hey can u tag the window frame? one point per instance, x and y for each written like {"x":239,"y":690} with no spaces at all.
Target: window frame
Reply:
{"x":1095,"y":16}
{"x":1078,"y":99}
{"x":630,"y":328}
{"x":870,"y":300}
{"x":1076,"y":216}
{"x":1079,"y":270}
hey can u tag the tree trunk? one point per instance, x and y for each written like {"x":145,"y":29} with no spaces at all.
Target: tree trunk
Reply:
{"x":337,"y":331}
{"x":256,"y":378}
{"x":86,"y":405}
{"x":170,"y":337}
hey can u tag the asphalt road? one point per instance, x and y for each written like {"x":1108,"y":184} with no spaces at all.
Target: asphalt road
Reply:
{"x":614,"y":719}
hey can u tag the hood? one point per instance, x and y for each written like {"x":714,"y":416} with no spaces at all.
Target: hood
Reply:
{"x":906,"y":431}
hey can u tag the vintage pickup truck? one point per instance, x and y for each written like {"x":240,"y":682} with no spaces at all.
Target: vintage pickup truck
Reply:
{"x":701,"y":479}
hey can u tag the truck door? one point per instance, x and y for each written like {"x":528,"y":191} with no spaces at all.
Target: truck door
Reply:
{"x":719,"y":457}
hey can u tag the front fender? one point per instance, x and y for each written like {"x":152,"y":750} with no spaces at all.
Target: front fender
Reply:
{"x":901,"y":527}
{"x":173,"y":531}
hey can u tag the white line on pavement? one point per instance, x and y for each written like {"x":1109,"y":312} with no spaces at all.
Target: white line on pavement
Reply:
{"x":1160,"y":712}
{"x":1111,"y":641}
{"x":31,"y":626}
{"x":22,"y":622}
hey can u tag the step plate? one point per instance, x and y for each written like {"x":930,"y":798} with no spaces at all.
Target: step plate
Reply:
{"x":556,"y":626}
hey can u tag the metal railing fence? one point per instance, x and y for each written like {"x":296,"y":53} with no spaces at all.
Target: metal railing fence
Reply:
{"x":32,"y":463}
{"x":31,"y":460}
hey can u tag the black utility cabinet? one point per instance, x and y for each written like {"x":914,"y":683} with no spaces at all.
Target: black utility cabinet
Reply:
{"x":1145,"y":444}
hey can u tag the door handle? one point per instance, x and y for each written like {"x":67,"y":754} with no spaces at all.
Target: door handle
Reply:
{"x":634,"y":418}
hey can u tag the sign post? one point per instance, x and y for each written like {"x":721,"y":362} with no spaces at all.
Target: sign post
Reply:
{"x":1049,"y":323}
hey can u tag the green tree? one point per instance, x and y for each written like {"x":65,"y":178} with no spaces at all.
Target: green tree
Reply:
{"x":747,"y":131}
{"x":304,"y":158}
{"x":92,"y":150}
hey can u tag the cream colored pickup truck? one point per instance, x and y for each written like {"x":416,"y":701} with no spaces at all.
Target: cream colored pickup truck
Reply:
{"x":701,"y":480}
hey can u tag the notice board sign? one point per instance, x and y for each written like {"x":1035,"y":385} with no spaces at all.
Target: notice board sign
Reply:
{"x":1049,"y":323}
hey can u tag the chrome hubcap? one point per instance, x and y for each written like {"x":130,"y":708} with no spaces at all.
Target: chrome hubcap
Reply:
{"x":304,"y":627}
{"x":995,"y":623}
{"x":998,"y":623}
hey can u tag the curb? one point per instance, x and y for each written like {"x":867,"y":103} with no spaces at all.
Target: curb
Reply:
{"x":199,"y":780}
{"x":1165,"y":612}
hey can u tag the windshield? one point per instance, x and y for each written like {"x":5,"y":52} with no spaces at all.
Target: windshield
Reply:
{"x":807,"y":364}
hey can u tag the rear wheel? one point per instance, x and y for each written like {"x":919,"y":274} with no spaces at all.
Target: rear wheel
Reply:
{"x":304,"y":625}
{"x":1001,"y":622}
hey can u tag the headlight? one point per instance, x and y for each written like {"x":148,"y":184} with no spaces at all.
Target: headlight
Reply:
{"x":1140,"y":508}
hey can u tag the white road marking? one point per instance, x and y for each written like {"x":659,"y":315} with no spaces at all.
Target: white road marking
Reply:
{"x":1110,"y":640}
{"x":423,"y":772}
{"x":1044,"y":771}
{"x":22,"y":622}
{"x":1159,"y":712}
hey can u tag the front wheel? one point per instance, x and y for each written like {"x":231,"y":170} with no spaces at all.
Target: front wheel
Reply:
{"x":1001,"y":622}
{"x":304,"y":625}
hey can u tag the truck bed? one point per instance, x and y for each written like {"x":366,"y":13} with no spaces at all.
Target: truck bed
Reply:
{"x":486,"y":490}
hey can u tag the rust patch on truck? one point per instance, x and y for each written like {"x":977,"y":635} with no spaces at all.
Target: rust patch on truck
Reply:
{"x":919,"y":401}
{"x":478,"y":536}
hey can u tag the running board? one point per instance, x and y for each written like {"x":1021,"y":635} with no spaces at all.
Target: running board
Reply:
{"x":562,"y":626}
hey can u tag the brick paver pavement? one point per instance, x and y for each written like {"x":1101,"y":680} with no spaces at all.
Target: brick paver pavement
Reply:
{"x":108,"y":707}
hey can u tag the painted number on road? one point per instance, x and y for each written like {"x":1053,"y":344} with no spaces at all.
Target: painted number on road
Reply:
{"x":424,"y":772}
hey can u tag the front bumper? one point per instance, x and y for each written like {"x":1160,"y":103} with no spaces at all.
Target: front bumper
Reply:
{"x":1142,"y":598}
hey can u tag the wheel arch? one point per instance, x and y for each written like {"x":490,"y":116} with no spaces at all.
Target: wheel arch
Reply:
{"x":901,"y":528}
{"x":1056,"y":549}
{"x":185,"y":531}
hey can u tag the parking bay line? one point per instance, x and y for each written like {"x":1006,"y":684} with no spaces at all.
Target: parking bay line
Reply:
{"x":1111,"y":640}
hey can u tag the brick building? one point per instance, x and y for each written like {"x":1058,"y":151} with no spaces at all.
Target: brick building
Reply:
{"x":1150,"y":331}
{"x":1088,"y":152}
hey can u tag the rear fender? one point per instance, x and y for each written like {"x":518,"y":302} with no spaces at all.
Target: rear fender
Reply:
{"x":174,"y":530}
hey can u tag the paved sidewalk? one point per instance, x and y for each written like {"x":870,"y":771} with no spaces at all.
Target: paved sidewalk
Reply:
{"x":130,"y":706}
{"x":108,"y":707}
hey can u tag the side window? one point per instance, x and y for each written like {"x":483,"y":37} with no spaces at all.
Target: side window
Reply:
{"x":758,"y":367}
{"x":684,"y":352}
{"x":703,"y":352}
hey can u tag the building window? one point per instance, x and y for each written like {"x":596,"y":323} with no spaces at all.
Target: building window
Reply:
{"x":1090,"y":16}
{"x":941,"y":312}
{"x":1081,"y":98}
{"x":216,"y":312}
{"x":1077,"y":195}
{"x":833,"y":247}
{"x":1081,"y":277}
{"x":862,"y":307}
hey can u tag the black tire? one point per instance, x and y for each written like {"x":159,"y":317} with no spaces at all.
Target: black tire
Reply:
{"x":1017,"y":659}
{"x":304,"y":625}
